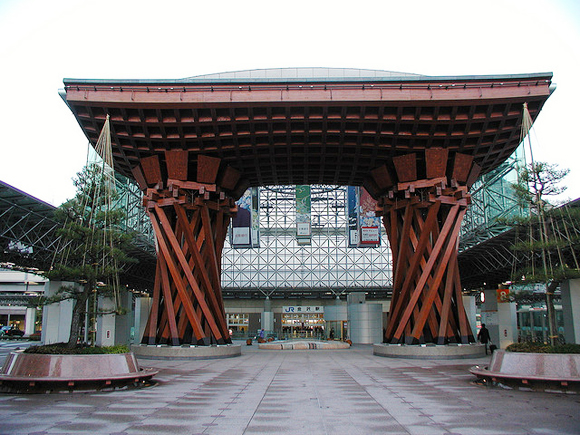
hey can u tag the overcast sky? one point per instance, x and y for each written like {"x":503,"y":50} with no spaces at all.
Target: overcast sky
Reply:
{"x":42,"y":42}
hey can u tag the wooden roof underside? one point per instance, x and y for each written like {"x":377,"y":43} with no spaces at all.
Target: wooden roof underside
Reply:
{"x":311,"y":132}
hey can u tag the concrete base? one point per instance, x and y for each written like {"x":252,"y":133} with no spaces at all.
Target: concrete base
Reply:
{"x":537,"y":370}
{"x":304,"y":345}
{"x":186,"y":352}
{"x":26,"y":372}
{"x":449,"y":351}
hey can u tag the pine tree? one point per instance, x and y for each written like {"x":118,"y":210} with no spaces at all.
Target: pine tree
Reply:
{"x":548,"y":237}
{"x":93,"y":247}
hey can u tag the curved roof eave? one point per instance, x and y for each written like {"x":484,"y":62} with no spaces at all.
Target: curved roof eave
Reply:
{"x":367,"y":79}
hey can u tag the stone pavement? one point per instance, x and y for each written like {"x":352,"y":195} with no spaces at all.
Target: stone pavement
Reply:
{"x":303,"y":391}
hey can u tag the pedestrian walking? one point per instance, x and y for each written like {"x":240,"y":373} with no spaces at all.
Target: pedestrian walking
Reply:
{"x":483,"y":336}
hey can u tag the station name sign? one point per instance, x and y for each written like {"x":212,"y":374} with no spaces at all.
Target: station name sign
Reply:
{"x":303,"y":309}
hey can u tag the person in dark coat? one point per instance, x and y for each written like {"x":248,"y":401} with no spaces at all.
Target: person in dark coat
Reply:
{"x":483,"y":336}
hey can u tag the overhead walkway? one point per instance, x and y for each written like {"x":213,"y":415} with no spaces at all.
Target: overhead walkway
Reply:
{"x":27,"y":228}
{"x":29,"y":239}
{"x":492,"y":261}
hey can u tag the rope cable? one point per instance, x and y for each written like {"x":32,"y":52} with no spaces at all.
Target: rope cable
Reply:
{"x":567,"y":208}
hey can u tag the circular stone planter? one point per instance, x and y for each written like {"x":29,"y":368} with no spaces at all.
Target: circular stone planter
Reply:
{"x":186,"y":352}
{"x":36,"y":372}
{"x":429,"y":351}
{"x":303,"y":345}
{"x":532,"y":370}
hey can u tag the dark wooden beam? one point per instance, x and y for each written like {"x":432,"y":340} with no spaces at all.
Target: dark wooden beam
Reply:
{"x":207,"y":169}
{"x":406,"y":167}
{"x":177,"y":162}
{"x":151,"y":169}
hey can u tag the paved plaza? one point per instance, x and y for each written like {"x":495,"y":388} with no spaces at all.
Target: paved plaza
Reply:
{"x":299,"y":391}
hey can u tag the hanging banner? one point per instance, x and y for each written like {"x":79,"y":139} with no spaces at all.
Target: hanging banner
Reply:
{"x":370,"y":224}
{"x":255,"y":234}
{"x":303,"y":210}
{"x":352,"y":231}
{"x":245,"y":226}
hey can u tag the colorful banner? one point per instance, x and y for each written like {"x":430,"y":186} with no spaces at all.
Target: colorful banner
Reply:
{"x":370,"y":224}
{"x":363,"y":227}
{"x":303,"y":211}
{"x":245,"y":226}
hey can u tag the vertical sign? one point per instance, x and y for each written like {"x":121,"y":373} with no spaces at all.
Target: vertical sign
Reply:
{"x":370,"y":224}
{"x":255,"y":233}
{"x":303,"y":209}
{"x":352,"y":231}
{"x":245,"y":226}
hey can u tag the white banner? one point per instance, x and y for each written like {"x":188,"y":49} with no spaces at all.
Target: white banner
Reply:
{"x":353,"y":241}
{"x":241,"y":236}
{"x":370,"y":235}
{"x":303,"y":229}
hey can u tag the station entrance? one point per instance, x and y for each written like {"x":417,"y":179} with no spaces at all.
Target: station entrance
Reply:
{"x":303,"y":324}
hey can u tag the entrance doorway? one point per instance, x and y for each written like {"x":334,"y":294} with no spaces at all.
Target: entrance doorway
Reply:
{"x":303,"y":325}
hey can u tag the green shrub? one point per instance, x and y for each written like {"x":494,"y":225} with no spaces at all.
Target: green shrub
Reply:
{"x":118,"y":348}
{"x":62,"y":349}
{"x":52,"y":349}
{"x":567,"y":348}
{"x":543,"y":348}
{"x":528,"y":347}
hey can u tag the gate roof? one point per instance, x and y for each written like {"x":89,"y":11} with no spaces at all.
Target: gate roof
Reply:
{"x":311,"y":126}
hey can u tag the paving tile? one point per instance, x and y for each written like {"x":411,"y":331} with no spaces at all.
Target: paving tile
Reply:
{"x":316,"y":392}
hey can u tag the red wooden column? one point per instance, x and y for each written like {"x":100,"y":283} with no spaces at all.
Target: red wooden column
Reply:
{"x":422,"y":214}
{"x":190,"y":220}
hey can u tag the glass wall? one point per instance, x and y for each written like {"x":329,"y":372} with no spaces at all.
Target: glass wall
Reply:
{"x":281,"y":264}
{"x":533,"y":323}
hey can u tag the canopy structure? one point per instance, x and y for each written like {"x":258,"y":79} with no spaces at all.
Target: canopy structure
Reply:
{"x":416,"y":143}
{"x":27,"y":227}
{"x":324,"y":130}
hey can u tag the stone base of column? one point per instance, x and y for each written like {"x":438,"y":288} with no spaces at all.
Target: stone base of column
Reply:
{"x":430,"y":351}
{"x":165,"y":352}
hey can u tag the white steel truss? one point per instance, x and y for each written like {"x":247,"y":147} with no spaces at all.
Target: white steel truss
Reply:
{"x":493,"y":201}
{"x":325,"y":268}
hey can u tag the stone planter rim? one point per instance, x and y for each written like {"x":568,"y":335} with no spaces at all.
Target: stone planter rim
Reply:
{"x":429,"y":351}
{"x":485,"y":372}
{"x":191,"y":352}
{"x":15,"y":368}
